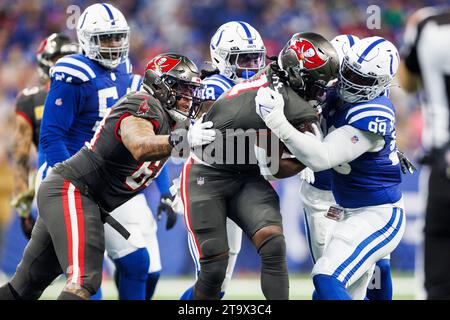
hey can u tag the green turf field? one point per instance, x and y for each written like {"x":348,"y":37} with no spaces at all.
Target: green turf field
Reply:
{"x":241,"y":288}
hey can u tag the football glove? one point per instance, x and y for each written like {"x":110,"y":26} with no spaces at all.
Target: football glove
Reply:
{"x":268,"y":102}
{"x":307,"y":175}
{"x":27,"y":225}
{"x":175,"y":191}
{"x":200,"y":133}
{"x":22,"y":203}
{"x":405,"y":164}
{"x":165,"y":205}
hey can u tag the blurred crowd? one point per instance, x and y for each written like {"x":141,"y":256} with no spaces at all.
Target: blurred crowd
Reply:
{"x":186,"y":26}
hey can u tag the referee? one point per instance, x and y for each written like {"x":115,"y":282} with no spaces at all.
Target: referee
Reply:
{"x":426,"y":66}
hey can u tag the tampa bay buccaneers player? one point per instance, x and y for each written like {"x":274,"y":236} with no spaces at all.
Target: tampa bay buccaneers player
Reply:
{"x":127,"y":152}
{"x":222,"y":180}
{"x":29,"y":110}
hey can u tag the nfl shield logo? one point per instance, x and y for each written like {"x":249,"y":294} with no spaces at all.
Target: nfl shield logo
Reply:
{"x":355,"y":139}
{"x":200,"y":181}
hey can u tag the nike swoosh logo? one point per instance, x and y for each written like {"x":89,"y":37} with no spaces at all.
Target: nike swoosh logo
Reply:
{"x":379,"y":120}
{"x":264,"y":110}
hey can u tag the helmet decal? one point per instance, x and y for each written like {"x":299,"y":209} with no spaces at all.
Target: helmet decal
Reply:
{"x":162,"y":64}
{"x":307,"y":54}
{"x":42,"y":46}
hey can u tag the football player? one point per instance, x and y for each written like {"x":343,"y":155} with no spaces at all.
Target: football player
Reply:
{"x":128,"y":150}
{"x":222,"y":181}
{"x":318,"y":227}
{"x":237,"y":53}
{"x":360,"y":144}
{"x":29,"y":109}
{"x":83,"y":87}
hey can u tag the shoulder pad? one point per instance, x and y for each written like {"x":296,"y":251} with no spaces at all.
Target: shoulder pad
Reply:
{"x":377,"y":116}
{"x":74,"y":68}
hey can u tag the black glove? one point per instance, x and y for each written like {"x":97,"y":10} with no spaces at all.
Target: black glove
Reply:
{"x":27,"y":224}
{"x":165,"y":204}
{"x":405,"y":164}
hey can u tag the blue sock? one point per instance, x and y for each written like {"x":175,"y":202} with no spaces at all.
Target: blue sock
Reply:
{"x":133,"y":272}
{"x":315,"y":295}
{"x":98,"y":295}
{"x":384,"y":290}
{"x":152,"y":280}
{"x":188,"y":294}
{"x":330,"y":288}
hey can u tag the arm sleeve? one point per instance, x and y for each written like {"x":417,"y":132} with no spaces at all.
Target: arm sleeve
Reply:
{"x":61,"y":107}
{"x":340,"y":146}
{"x":163,"y":181}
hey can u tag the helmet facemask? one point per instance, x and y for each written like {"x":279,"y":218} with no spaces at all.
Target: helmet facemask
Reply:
{"x":355,"y":86}
{"x":245,"y":64}
{"x":109,"y":48}
{"x":187,"y":96}
{"x":182,"y":99}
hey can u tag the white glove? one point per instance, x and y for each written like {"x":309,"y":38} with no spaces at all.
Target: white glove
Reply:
{"x":199,"y":133}
{"x":307,"y":175}
{"x":268,"y":102}
{"x":269,"y":106}
{"x":175,"y":191}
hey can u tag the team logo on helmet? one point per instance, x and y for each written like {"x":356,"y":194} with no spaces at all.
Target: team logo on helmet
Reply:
{"x":307,"y":54}
{"x":42,"y":46}
{"x":162,"y":64}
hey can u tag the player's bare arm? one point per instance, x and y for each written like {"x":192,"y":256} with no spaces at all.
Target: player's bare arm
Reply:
{"x":23,"y":136}
{"x":140,"y":139}
{"x":289,"y":167}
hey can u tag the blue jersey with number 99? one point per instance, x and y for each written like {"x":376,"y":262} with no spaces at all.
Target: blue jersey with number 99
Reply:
{"x":374,"y":177}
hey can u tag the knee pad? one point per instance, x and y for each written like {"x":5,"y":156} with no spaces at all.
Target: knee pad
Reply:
{"x":274,"y":275}
{"x":134,"y":265}
{"x":273,"y":253}
{"x":210,"y":279}
{"x":214,"y":246}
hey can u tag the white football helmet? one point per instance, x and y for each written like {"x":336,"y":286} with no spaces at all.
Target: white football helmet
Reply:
{"x":103,"y":34}
{"x":342,"y":42}
{"x":367,"y":69}
{"x":237,"y":50}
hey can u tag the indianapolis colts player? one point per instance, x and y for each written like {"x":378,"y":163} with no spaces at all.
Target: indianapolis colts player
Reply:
{"x":360,"y":147}
{"x":237,"y":53}
{"x":83,"y":86}
{"x":317,"y":198}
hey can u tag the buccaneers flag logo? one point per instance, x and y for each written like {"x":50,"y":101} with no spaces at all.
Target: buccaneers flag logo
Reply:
{"x":307,"y":54}
{"x":162,"y":64}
